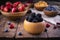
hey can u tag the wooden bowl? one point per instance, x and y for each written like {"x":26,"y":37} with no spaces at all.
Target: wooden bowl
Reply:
{"x":50,"y":13}
{"x":34,"y":28}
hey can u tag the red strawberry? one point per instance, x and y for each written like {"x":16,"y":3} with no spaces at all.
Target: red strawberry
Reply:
{"x":5,"y":9}
{"x":21,"y":8}
{"x":47,"y":25}
{"x":2,"y":7}
{"x":9,"y":5}
{"x":14,"y":10}
{"x":16,"y":4}
{"x":11,"y":26}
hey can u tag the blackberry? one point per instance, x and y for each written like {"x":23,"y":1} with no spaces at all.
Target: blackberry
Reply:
{"x":29,"y":11}
{"x":40,"y":20}
{"x":30,"y":18}
{"x":39,"y":15}
{"x":32,"y":14}
{"x":35,"y":20}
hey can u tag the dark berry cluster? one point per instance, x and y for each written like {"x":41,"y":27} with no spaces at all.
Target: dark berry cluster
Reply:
{"x":50,"y":8}
{"x":34,"y":17}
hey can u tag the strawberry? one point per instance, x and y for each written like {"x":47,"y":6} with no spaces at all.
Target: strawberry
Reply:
{"x":9,"y":5}
{"x":11,"y":26}
{"x":47,"y":25}
{"x":2,"y":7}
{"x":21,"y":8}
{"x":14,"y":10}
{"x":16,"y":4}
{"x":5,"y":9}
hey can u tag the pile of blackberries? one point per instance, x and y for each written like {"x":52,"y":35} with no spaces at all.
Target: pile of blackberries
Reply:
{"x":33,"y":17}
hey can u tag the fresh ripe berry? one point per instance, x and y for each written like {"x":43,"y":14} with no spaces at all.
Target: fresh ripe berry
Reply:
{"x":47,"y":25}
{"x":2,"y":7}
{"x":45,"y":30}
{"x":14,"y":10}
{"x":16,"y":4}
{"x":8,"y":23}
{"x":58,"y":23}
{"x":21,"y":8}
{"x":19,"y":33}
{"x":8,"y":3}
{"x":54,"y":27}
{"x":6,"y":30}
{"x":39,"y":15}
{"x":40,"y":19}
{"x":30,"y":18}
{"x":5,"y":9}
{"x":33,"y":15}
{"x":35,"y":20}
{"x":11,"y":26}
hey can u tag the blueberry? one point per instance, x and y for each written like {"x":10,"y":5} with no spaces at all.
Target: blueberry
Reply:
{"x":6,"y":30}
{"x":19,"y":33}
{"x":30,"y":19}
{"x":9,"y":23}
{"x":40,"y":20}
{"x":39,"y":15}
{"x":32,"y":14}
{"x":35,"y":20}
{"x":45,"y":30}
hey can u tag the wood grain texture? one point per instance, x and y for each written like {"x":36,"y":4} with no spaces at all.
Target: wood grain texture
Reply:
{"x":53,"y":32}
{"x":11,"y":32}
{"x":2,"y":23}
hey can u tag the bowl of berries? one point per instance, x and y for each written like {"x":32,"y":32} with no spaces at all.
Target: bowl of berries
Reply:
{"x":14,"y":10}
{"x":50,"y":11}
{"x":34,"y":24}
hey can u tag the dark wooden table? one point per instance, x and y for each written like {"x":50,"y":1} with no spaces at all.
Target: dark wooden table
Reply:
{"x":18,"y":27}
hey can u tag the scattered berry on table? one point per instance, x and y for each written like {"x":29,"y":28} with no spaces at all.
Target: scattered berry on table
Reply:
{"x":8,"y":23}
{"x":47,"y":25}
{"x":19,"y":33}
{"x":45,"y":30}
{"x":11,"y":26}
{"x":6,"y":30}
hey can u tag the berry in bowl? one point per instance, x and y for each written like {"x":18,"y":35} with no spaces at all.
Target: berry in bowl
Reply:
{"x":34,"y":24}
{"x":40,"y":5}
{"x":50,"y":11}
{"x":14,"y":10}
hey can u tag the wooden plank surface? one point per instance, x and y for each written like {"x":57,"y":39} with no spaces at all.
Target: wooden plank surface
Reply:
{"x":53,"y":32}
{"x":11,"y":32}
{"x":2,"y":23}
